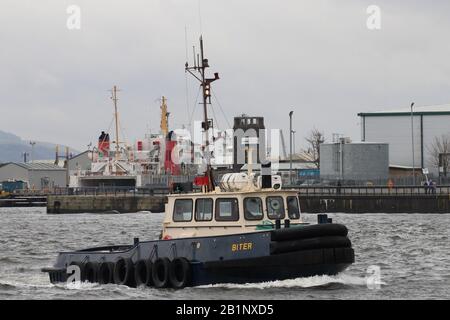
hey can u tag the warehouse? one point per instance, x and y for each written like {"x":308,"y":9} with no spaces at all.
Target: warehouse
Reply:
{"x":357,"y":161}
{"x":400,"y":128}
{"x":38,"y":176}
{"x":80,"y":162}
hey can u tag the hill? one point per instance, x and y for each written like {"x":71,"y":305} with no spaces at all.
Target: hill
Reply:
{"x":12,"y":148}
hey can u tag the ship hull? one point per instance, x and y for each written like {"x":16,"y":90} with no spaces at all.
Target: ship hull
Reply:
{"x":239,"y":258}
{"x":285,"y":266}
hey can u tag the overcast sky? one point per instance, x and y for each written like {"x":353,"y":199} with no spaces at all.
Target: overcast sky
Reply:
{"x":315,"y":57}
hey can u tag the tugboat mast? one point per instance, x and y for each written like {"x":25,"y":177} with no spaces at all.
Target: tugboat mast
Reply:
{"x":200,"y":67}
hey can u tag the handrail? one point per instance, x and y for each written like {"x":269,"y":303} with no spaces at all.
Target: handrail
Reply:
{"x":372,"y":190}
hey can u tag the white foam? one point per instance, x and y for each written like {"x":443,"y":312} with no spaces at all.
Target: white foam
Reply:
{"x":309,"y":282}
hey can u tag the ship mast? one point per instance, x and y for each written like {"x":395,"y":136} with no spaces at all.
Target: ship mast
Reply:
{"x":164,"y":117}
{"x":199,"y":67}
{"x":116,"y":117}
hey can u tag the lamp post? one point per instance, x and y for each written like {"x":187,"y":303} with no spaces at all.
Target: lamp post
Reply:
{"x":293,"y":140}
{"x":412,"y":145}
{"x":290,"y":147}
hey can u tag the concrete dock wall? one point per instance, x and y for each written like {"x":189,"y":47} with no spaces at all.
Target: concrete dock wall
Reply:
{"x":101,"y":203}
{"x":376,"y":204}
{"x":312,"y":200}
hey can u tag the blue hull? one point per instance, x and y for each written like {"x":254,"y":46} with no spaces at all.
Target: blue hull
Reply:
{"x":239,"y":258}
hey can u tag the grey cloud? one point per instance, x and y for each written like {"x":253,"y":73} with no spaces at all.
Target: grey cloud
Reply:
{"x":316,"y":57}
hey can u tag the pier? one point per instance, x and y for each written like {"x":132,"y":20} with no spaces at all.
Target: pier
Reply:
{"x":116,"y":200}
{"x":375,"y":199}
{"x":24,"y":200}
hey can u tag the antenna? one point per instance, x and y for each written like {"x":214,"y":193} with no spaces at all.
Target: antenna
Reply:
{"x":195,"y":62}
{"x":199,"y":17}
{"x":198,"y":72}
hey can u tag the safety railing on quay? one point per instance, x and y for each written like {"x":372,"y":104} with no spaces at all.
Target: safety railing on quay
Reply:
{"x":111,"y":191}
{"x":372,"y":190}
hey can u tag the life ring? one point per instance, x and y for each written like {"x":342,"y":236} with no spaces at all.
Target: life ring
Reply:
{"x":160,"y":273}
{"x":90,"y":272}
{"x":105,"y":273}
{"x":180,"y":273}
{"x":143,"y":273}
{"x":123,"y":272}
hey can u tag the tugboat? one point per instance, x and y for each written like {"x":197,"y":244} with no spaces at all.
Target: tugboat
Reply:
{"x":245,"y":229}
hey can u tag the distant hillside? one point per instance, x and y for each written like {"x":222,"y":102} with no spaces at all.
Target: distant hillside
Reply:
{"x":12,"y":148}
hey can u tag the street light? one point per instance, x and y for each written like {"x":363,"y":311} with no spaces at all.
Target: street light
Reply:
{"x":290,"y":147}
{"x":412,"y":142}
{"x":293,"y":139}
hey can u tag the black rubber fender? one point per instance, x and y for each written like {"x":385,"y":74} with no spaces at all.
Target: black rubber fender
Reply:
{"x":124,"y":272}
{"x":310,"y":231}
{"x":160,"y":273}
{"x":180,"y":273}
{"x":105,"y":273}
{"x":143,"y":273}
{"x":90,"y":272}
{"x":308,"y":244}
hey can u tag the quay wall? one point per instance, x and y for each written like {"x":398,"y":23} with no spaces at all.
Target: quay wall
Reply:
{"x":377,"y":199}
{"x":376,"y":204}
{"x":59,"y":204}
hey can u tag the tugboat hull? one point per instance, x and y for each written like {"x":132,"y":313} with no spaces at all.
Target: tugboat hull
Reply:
{"x":240,"y":258}
{"x":284,"y":266}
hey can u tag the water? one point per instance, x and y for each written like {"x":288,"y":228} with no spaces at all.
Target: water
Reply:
{"x":411,"y":250}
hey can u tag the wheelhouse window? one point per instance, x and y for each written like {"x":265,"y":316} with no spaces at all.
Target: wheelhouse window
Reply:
{"x":227,"y":209}
{"x":275,"y":207}
{"x":293,"y":208}
{"x":182,"y":210}
{"x":253,"y":209}
{"x":203,"y":209}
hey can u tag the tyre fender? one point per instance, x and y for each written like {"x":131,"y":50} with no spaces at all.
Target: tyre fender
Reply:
{"x":180,"y":273}
{"x":160,"y":273}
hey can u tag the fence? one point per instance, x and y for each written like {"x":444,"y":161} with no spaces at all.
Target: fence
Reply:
{"x":395,"y":180}
{"x":373,"y":191}
{"x":111,"y":191}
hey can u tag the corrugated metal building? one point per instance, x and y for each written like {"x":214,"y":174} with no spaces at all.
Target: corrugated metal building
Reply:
{"x":38,"y":175}
{"x":394,"y":127}
{"x":81,"y":161}
{"x":359,"y":161}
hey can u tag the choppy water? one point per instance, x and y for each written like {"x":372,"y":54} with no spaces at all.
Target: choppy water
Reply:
{"x":412,"y":251}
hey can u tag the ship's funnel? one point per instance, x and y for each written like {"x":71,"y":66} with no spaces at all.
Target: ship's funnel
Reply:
{"x":103,"y":144}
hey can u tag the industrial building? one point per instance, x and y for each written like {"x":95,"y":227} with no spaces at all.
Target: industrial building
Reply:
{"x":38,"y":176}
{"x":359,"y":161}
{"x":403,"y":128}
{"x":80,"y":162}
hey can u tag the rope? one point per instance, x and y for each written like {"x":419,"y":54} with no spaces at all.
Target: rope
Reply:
{"x":195,"y":105}
{"x":185,"y":74}
{"x":221,"y":109}
{"x":215,"y":118}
